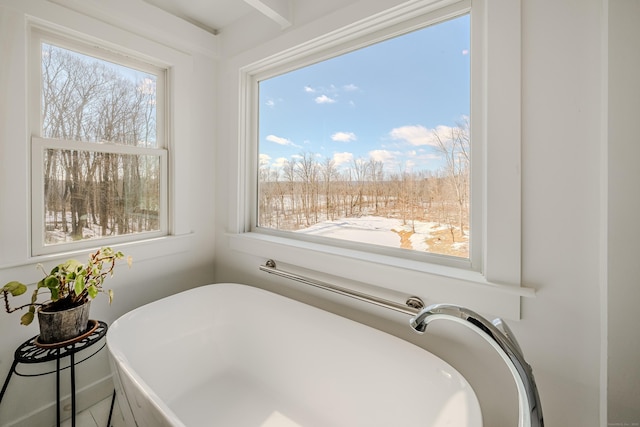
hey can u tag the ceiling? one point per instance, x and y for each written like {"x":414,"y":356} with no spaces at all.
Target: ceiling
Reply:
{"x":213,"y":15}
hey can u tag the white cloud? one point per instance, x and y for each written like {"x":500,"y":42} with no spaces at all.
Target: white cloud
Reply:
{"x":324,"y":99}
{"x":342,"y":158}
{"x":270,"y":103}
{"x":392,"y":160}
{"x":343,"y":137}
{"x":445,"y":133}
{"x":280,"y":162}
{"x":264,"y":159}
{"x":381,"y":155}
{"x":418,"y":135}
{"x":350,"y":87}
{"x":414,"y":135}
{"x":280,"y":141}
{"x":309,"y":89}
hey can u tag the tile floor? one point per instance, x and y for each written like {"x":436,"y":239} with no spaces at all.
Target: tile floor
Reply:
{"x":98,"y":415}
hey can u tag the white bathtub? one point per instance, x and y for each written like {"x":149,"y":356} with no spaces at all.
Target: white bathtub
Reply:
{"x":233,"y":355}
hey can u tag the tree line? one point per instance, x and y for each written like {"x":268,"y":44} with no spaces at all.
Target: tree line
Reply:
{"x":305,"y":190}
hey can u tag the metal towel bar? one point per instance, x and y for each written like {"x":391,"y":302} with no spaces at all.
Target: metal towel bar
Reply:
{"x":412,"y":306}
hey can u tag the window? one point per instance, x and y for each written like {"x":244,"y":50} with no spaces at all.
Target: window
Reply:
{"x":488,"y":278}
{"x":99,"y":158}
{"x":373,"y":146}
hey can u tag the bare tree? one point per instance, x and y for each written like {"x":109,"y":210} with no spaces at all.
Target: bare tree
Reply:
{"x":328,"y":172}
{"x":289,"y":170}
{"x":454,"y":145}
{"x":360,"y":169}
{"x":307,"y":173}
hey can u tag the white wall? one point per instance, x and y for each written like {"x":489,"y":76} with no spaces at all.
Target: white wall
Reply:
{"x":563,"y":225}
{"x":185,"y":263}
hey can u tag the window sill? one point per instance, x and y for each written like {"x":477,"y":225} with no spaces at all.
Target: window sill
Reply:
{"x":139,"y":250}
{"x":389,"y":275}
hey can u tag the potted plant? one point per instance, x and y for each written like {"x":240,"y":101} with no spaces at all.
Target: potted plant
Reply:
{"x":71,"y":285}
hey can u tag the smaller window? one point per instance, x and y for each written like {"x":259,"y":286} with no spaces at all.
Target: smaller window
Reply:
{"x":98,"y":153}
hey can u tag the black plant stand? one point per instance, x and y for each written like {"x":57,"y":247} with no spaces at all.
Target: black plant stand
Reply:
{"x":32,"y":351}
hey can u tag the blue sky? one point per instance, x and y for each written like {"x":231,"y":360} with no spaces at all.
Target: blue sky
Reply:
{"x":381,"y":102}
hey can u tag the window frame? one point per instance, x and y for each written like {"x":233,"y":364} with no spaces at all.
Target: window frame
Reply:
{"x":38,"y":37}
{"x":474,"y":261}
{"x":493,"y":283}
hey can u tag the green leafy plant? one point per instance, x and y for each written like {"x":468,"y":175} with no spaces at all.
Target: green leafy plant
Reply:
{"x":70,"y":284}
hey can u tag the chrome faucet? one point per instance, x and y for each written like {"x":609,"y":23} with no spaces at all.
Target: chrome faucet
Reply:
{"x":498,"y":334}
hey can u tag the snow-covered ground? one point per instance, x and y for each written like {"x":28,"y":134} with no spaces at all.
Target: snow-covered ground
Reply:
{"x":376,"y":230}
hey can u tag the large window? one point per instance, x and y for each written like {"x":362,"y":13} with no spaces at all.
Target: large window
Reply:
{"x":373,"y":146}
{"x":445,"y":133}
{"x":98,"y":157}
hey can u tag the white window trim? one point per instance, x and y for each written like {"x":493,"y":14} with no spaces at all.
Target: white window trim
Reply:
{"x":19,"y":256}
{"x":493,"y":285}
{"x":261,"y":72}
{"x":39,"y":143}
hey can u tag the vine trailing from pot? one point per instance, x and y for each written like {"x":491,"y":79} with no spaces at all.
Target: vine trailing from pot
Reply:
{"x":70,"y":284}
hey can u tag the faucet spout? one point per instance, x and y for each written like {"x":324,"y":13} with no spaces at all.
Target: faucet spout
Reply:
{"x":502,"y":340}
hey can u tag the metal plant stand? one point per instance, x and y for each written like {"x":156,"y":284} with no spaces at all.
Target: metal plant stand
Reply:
{"x":32,"y":351}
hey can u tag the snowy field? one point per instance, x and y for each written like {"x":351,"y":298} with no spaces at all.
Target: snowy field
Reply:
{"x":378,"y":231}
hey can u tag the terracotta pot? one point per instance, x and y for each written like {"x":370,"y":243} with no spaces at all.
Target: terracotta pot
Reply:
{"x":58,"y":326}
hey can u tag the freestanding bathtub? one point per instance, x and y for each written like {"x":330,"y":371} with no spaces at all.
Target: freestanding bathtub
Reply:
{"x":232,"y":355}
